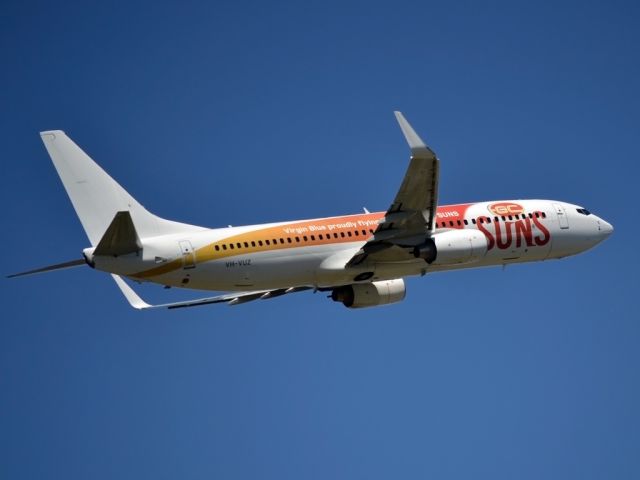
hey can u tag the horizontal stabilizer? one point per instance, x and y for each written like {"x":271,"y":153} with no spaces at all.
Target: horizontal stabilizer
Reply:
{"x":120,"y":238}
{"x":230,"y":298}
{"x":58,"y":266}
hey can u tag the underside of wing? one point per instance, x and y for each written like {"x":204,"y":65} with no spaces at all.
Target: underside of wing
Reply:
{"x":411,"y":215}
{"x":233,"y":298}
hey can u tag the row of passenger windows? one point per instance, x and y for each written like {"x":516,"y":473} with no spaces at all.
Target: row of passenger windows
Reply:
{"x":452,"y":223}
{"x":355,"y":233}
{"x":298,"y":239}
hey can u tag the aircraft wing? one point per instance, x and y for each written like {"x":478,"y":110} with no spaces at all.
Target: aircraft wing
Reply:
{"x":229,"y":298}
{"x":411,"y":215}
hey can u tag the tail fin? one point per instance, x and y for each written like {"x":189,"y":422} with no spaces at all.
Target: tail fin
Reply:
{"x":97,"y":197}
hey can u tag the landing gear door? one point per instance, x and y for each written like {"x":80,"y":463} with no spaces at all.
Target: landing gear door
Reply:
{"x":563,"y":221}
{"x":188,"y":255}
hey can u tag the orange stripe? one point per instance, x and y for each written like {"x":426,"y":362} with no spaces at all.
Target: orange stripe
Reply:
{"x":325,"y":226}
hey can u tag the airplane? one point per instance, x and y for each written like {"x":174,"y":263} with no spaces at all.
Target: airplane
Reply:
{"x":360,"y":260}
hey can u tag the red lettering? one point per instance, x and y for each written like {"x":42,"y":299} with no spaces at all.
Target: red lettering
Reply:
{"x":480,"y":223}
{"x":540,"y":241}
{"x":523,"y":229}
{"x":506,"y":244}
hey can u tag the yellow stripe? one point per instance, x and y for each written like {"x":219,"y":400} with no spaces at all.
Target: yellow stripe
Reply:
{"x":321,"y":227}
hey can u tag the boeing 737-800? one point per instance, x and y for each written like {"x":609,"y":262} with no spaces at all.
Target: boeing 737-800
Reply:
{"x":360,"y":259}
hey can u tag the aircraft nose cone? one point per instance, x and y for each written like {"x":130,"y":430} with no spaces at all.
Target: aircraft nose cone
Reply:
{"x":605,"y":228}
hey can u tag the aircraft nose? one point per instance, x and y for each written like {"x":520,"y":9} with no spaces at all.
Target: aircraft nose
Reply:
{"x":605,"y":228}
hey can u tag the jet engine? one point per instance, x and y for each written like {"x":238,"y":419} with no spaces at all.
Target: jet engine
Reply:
{"x":372,"y":294}
{"x":453,"y":247}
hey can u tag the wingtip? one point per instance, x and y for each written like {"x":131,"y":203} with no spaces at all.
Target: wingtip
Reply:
{"x":51,"y":132}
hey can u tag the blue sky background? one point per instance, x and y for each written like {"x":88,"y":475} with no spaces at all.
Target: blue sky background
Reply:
{"x":221,"y":113}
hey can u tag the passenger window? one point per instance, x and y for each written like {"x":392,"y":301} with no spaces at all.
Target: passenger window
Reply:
{"x":342,"y":234}
{"x":289,"y":239}
{"x":473,"y":220}
{"x":544,"y":215}
{"x":320,"y":236}
{"x":217,"y":248}
{"x":253,"y":243}
{"x":357,"y":233}
{"x":239,"y":245}
{"x":298,"y":239}
{"x":231,"y":246}
{"x":349,"y":234}
{"x":451,"y":223}
{"x":313,"y":238}
{"x":282,"y":240}
{"x":459,"y":223}
{"x":364,"y":232}
{"x":335,"y":235}
{"x":305,"y":238}
{"x":260,"y":242}
{"x":246,"y":245}
{"x":466,"y":222}
{"x":224,"y":246}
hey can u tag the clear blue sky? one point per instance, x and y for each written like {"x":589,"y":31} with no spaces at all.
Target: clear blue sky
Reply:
{"x":221,"y":113}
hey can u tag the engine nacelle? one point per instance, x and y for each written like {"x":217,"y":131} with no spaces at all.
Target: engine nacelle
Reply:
{"x":453,"y":247}
{"x":361,"y":295}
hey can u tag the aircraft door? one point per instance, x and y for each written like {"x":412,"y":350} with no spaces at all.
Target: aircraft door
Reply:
{"x":563,"y":221}
{"x":188,"y":254}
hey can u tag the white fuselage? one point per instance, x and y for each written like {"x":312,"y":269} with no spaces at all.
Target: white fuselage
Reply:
{"x":314,"y":252}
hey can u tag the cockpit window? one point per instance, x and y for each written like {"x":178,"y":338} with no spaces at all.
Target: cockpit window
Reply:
{"x":583,"y":211}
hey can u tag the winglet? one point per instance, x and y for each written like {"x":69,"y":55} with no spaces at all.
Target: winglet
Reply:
{"x":418,"y":148}
{"x":132,"y":297}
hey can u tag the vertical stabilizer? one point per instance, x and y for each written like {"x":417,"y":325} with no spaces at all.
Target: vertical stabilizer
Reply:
{"x":97,"y":197}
